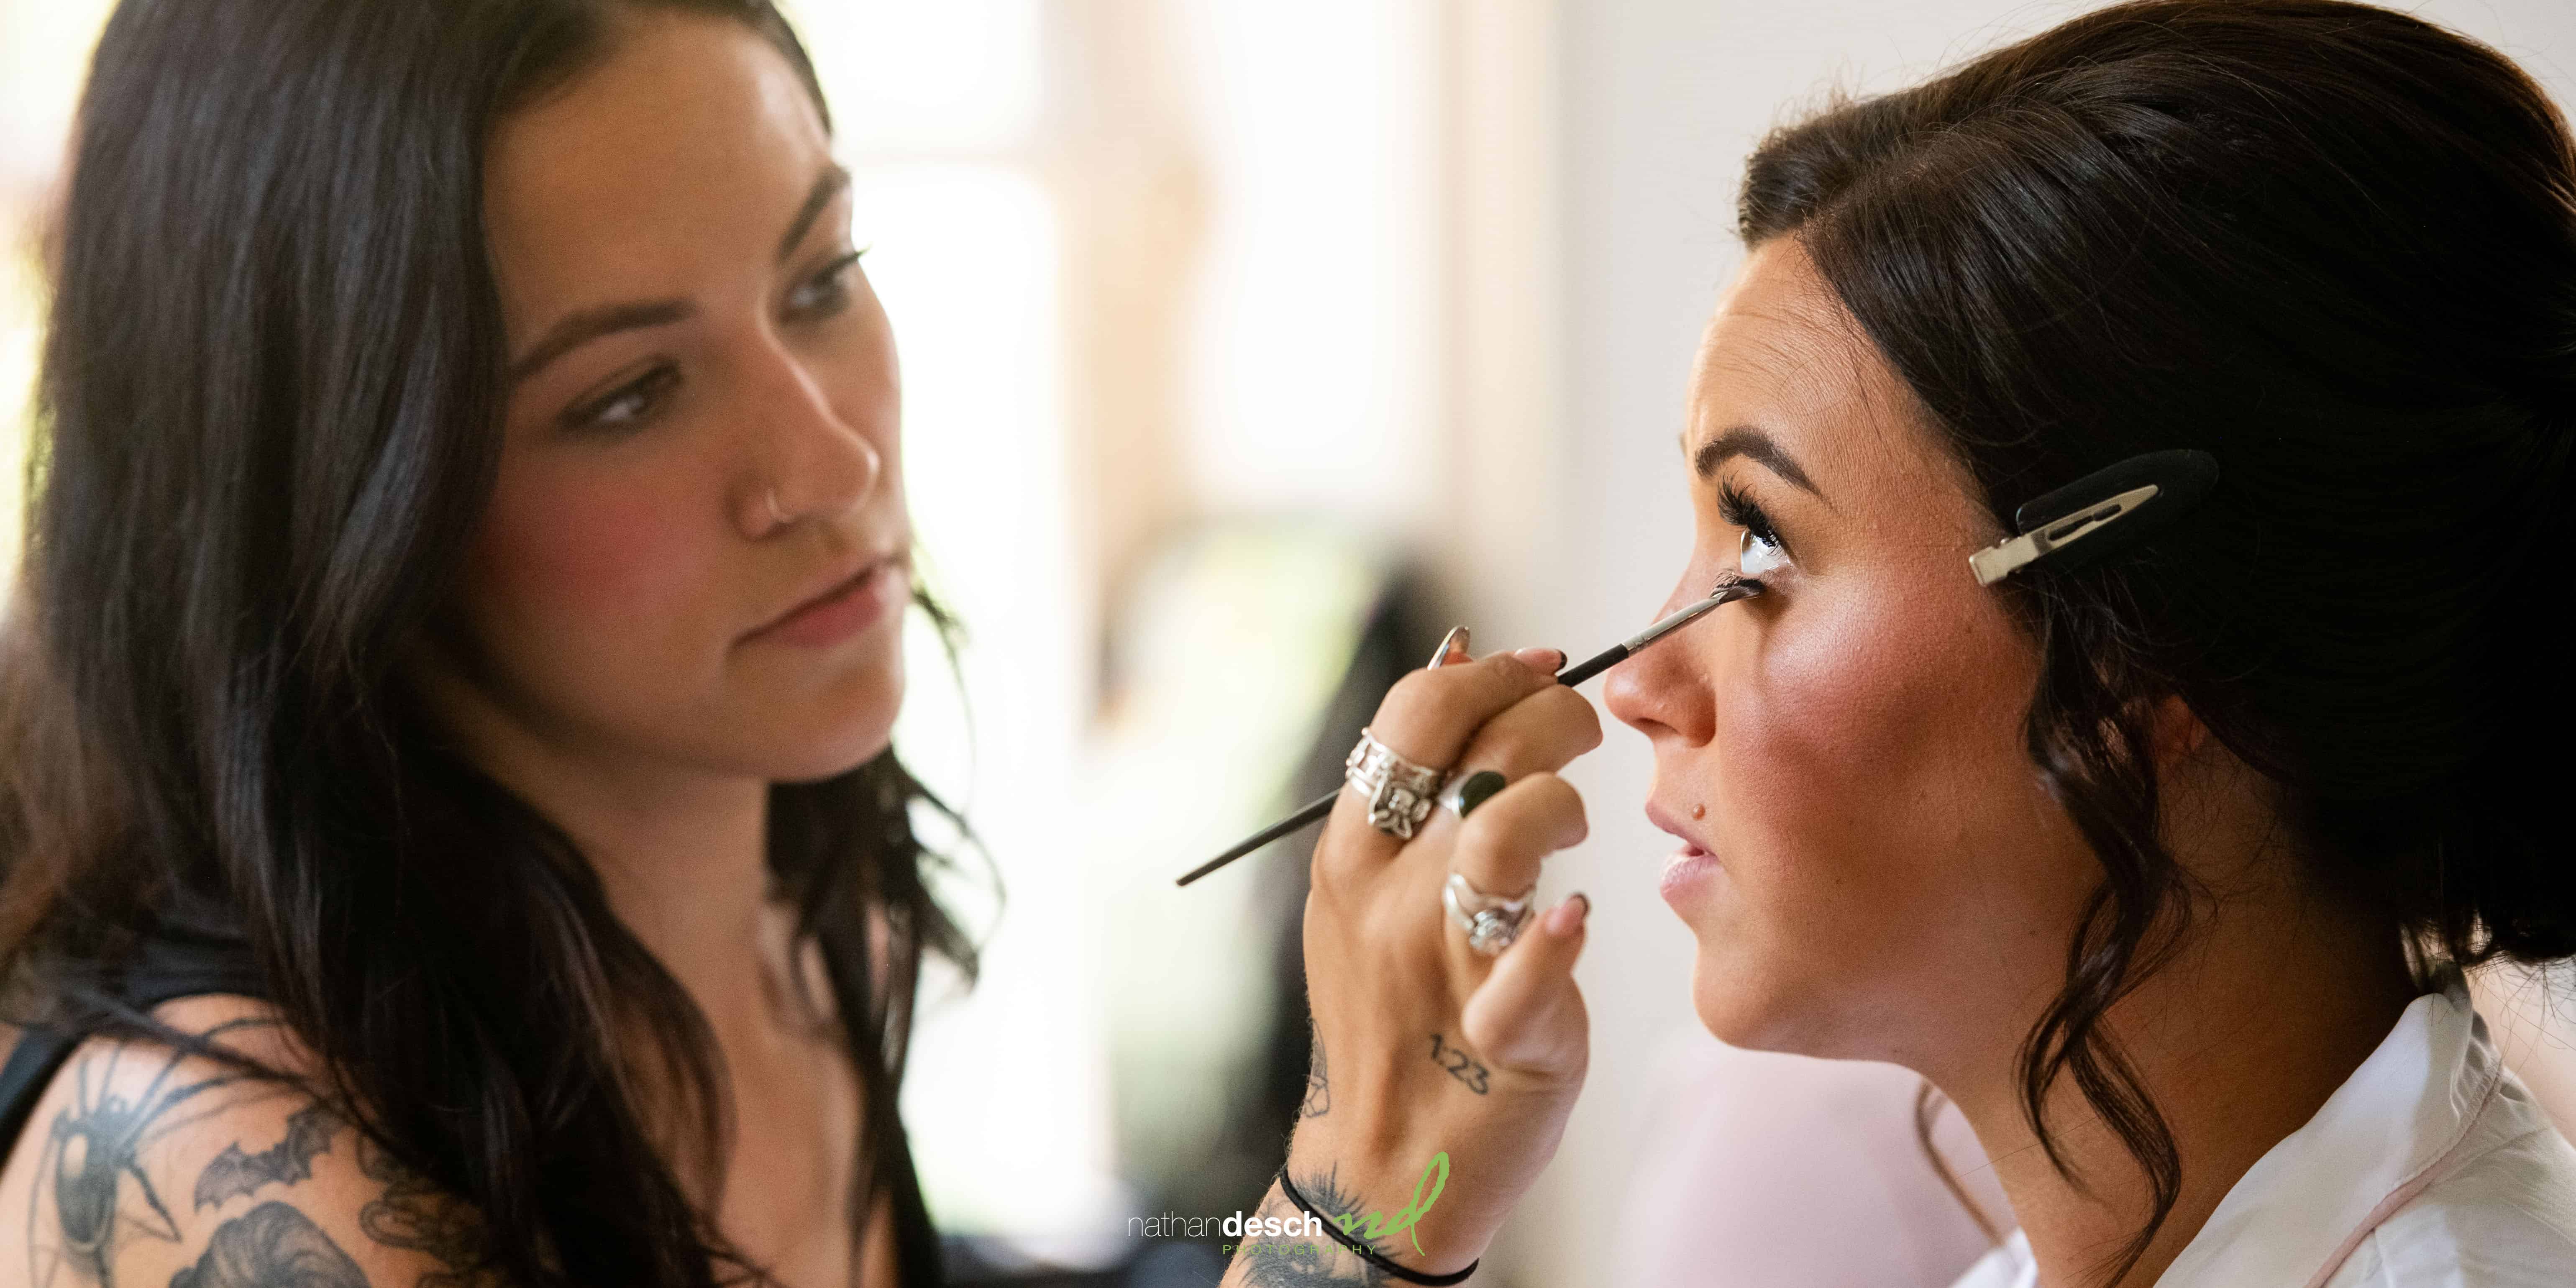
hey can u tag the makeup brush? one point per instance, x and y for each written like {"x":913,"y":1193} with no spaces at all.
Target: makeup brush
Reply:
{"x":1729,"y":590}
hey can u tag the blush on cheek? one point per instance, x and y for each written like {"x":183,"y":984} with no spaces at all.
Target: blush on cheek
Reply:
{"x":600,"y":560}
{"x":1850,"y":761}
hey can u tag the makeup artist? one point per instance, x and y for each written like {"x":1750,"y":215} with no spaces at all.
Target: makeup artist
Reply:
{"x":2155,"y":823}
{"x":449,"y":830}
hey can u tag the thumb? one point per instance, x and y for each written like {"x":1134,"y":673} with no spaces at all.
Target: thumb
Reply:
{"x":1528,"y":1014}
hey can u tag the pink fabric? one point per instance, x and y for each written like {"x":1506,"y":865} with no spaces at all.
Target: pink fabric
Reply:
{"x":1757,"y":1169}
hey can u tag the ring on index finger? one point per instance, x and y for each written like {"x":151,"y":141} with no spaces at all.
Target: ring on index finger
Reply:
{"x":1399,"y":792}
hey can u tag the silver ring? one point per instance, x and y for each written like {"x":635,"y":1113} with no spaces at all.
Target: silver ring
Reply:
{"x":1491,"y":924}
{"x":1399,"y":792}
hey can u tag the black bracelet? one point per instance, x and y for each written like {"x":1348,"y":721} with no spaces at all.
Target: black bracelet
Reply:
{"x":1365,"y":1252}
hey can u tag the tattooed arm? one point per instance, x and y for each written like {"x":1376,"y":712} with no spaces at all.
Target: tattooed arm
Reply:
{"x":141,"y":1166}
{"x":1305,"y":1260}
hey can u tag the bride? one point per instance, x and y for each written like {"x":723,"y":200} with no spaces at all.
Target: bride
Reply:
{"x":2160,"y":853}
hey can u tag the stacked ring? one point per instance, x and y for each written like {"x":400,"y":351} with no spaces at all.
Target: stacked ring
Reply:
{"x":1399,"y":792}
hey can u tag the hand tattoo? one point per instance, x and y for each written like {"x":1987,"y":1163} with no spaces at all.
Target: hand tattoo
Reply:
{"x":1460,"y":1065}
{"x":1319,"y":1091}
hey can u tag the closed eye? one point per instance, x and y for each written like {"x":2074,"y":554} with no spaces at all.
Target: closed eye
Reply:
{"x":831,"y":285}
{"x":625,"y":405}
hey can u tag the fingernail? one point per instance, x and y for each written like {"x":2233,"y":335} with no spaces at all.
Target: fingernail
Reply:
{"x":1545,"y":659}
{"x":1453,"y":642}
{"x":1478,"y":788}
{"x":1567,"y":917}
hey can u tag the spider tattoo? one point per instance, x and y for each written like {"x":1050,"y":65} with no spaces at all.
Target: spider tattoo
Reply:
{"x":92,"y":1154}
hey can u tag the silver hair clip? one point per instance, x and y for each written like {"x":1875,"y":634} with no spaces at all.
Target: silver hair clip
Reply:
{"x":2156,"y":488}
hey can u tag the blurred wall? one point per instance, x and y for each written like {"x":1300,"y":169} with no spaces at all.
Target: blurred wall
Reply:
{"x":1659,"y":101}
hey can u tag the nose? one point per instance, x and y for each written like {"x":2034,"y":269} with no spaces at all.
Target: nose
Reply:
{"x":813,"y":457}
{"x":1663,"y":692}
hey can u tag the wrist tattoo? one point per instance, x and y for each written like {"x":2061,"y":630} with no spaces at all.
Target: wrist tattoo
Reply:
{"x":1310,"y":1263}
{"x":1462,"y":1066}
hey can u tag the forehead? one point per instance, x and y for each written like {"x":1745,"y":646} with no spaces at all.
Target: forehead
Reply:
{"x":690,"y":136}
{"x":1782,"y":354}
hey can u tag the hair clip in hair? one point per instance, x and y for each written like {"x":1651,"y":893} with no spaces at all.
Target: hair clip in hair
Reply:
{"x":2140,"y":494}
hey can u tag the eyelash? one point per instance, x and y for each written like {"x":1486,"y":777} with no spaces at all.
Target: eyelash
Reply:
{"x":836,"y":275}
{"x":594,"y":414}
{"x":1744,"y":512}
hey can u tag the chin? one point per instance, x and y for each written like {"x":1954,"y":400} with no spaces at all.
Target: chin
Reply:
{"x":839,"y":731}
{"x":1735,"y":1002}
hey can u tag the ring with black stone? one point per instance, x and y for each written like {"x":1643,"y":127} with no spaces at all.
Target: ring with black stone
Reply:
{"x":1472,"y":790}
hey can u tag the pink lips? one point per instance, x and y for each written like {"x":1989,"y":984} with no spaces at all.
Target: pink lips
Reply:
{"x":843,"y":610}
{"x":1689,"y":866}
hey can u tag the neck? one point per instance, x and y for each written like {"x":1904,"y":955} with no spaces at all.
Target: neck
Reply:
{"x":681,"y":853}
{"x":683,"y":861}
{"x":2238,"y":1042}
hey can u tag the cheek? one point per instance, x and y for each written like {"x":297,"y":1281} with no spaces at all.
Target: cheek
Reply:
{"x":1871,"y":794}
{"x":1853,"y":725}
{"x":561,"y":555}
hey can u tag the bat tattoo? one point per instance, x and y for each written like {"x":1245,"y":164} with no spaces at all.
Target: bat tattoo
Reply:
{"x":290,"y":1160}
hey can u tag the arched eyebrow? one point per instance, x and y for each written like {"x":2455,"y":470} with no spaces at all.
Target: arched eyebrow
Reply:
{"x":827,"y":185}
{"x":1754,"y":445}
{"x":585,"y":325}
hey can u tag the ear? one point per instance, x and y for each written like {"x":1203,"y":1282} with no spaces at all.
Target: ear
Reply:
{"x":2178,"y":732}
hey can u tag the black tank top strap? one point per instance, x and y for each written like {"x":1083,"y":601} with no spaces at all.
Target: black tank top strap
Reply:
{"x":192,"y":950}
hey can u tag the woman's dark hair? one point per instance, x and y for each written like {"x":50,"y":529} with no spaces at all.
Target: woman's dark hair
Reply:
{"x":2335,"y":247}
{"x":267,"y":424}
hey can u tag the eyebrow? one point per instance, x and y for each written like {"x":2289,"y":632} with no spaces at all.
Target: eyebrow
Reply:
{"x":1756,"y":446}
{"x":585,"y":325}
{"x":827,"y":185}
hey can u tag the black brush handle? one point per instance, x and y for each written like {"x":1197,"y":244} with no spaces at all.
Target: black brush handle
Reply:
{"x":1316,"y":809}
{"x":1314,"y":812}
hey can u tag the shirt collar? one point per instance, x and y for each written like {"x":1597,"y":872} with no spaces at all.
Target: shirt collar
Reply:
{"x":2380,"y":1138}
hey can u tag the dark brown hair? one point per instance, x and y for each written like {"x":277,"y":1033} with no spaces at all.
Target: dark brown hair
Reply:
{"x":266,"y":426}
{"x":2335,"y":247}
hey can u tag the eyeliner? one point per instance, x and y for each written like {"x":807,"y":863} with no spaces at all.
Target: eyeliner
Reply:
{"x":1728,"y":591}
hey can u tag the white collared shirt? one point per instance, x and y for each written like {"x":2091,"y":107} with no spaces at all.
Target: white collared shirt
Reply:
{"x":2430,"y":1167}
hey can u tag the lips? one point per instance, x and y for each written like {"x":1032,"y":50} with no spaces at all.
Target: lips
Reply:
{"x":1688,"y":866}
{"x":1664,"y":821}
{"x":852,"y":598}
